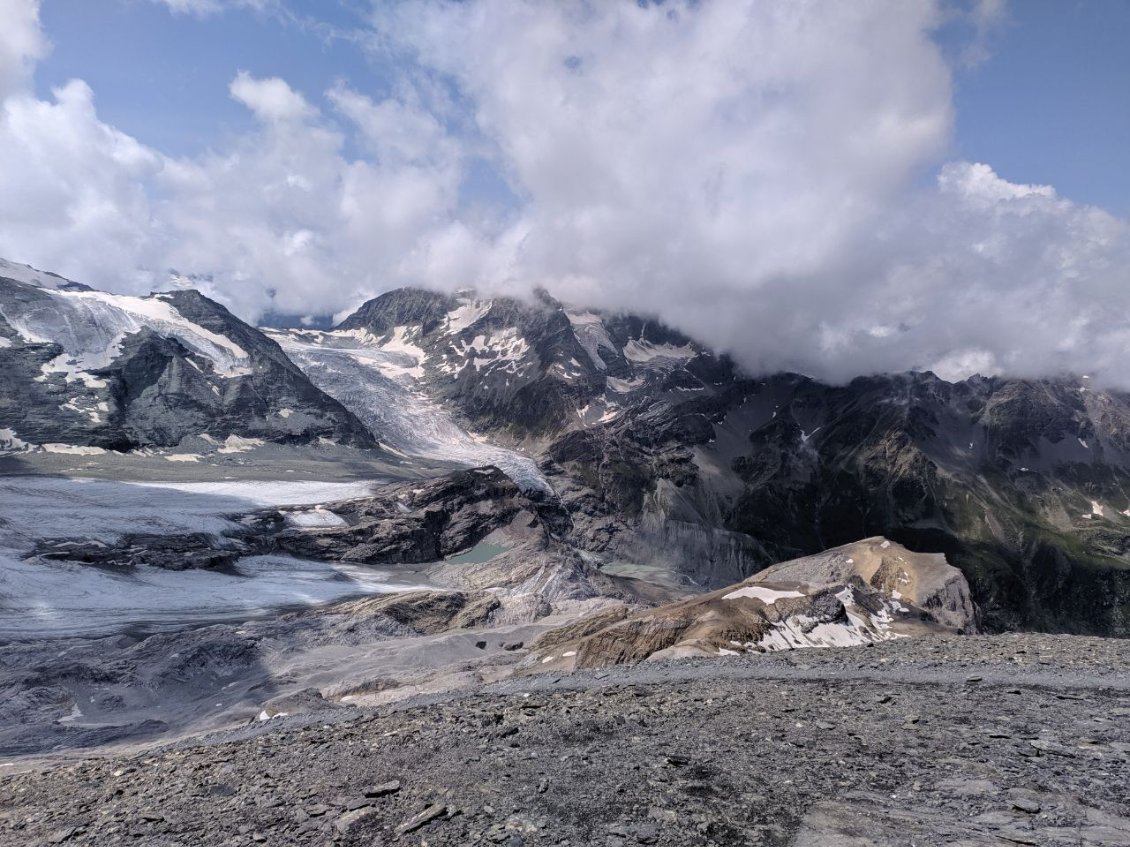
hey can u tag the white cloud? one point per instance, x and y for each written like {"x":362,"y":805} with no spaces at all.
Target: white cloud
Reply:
{"x":204,"y":8}
{"x":21,"y":44}
{"x":757,"y":173}
{"x":76,"y":193}
{"x":270,"y":99}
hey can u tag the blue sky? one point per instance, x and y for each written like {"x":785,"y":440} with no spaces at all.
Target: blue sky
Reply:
{"x":831,"y":188}
{"x":1050,"y":103}
{"x":163,"y":76}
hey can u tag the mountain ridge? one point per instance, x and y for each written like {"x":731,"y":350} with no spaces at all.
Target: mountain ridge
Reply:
{"x":664,"y":451}
{"x":85,"y":368}
{"x":670,"y":461}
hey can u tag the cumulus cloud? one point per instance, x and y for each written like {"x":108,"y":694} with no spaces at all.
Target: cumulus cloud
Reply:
{"x":270,"y":99}
{"x":768,"y":176}
{"x":21,"y":44}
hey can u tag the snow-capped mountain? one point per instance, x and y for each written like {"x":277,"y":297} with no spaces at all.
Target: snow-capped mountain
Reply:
{"x":669,"y":461}
{"x":85,"y":368}
{"x":669,"y":458}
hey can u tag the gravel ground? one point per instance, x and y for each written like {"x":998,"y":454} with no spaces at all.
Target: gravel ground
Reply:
{"x":995,"y":740}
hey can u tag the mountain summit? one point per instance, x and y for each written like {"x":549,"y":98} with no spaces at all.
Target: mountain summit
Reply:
{"x":85,"y":368}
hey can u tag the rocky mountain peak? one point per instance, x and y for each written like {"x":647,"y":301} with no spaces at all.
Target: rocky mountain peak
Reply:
{"x":81,"y":367}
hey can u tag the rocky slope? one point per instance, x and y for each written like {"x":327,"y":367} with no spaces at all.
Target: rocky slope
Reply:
{"x":859,"y":594}
{"x":674,"y":464}
{"x":972,"y":741}
{"x":82,"y":368}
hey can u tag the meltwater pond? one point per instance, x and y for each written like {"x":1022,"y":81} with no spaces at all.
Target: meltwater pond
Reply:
{"x":48,"y":599}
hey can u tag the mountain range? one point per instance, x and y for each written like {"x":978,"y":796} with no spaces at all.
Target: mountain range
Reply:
{"x":665,"y":458}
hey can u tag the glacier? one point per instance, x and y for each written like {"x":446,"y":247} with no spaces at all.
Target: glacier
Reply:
{"x":41,"y":599}
{"x":376,"y":382}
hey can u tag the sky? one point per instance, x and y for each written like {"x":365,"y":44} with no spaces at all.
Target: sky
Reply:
{"x":832,"y":188}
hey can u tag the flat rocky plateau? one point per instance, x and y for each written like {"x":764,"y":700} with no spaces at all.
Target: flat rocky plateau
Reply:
{"x":978,"y":740}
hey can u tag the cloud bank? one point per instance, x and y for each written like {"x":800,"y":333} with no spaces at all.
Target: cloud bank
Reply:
{"x":770,"y":177}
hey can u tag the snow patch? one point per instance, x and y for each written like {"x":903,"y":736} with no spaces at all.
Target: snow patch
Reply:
{"x":31,"y":276}
{"x":624,"y":386}
{"x":10,"y":441}
{"x":768,"y":596}
{"x":73,"y":449}
{"x":588,"y":328}
{"x":236,"y":444}
{"x":319,"y":517}
{"x":465,"y":316}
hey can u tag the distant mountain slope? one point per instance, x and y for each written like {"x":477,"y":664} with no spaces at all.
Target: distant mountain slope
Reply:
{"x":669,"y":459}
{"x":88,"y":368}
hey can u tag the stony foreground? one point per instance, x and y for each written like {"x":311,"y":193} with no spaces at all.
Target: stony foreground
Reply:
{"x":959,"y":741}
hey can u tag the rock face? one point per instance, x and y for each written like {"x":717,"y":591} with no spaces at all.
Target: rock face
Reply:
{"x":84,"y":368}
{"x":863,"y":593}
{"x":408,"y":523}
{"x":673,"y":463}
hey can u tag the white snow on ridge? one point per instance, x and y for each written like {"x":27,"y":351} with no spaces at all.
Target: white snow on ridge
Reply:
{"x":465,"y":316}
{"x":30,"y":275}
{"x":91,"y":325}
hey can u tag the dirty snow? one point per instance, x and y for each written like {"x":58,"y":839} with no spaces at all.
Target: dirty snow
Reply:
{"x":591,"y":335}
{"x":236,"y":444}
{"x":73,"y":449}
{"x":641,"y":351}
